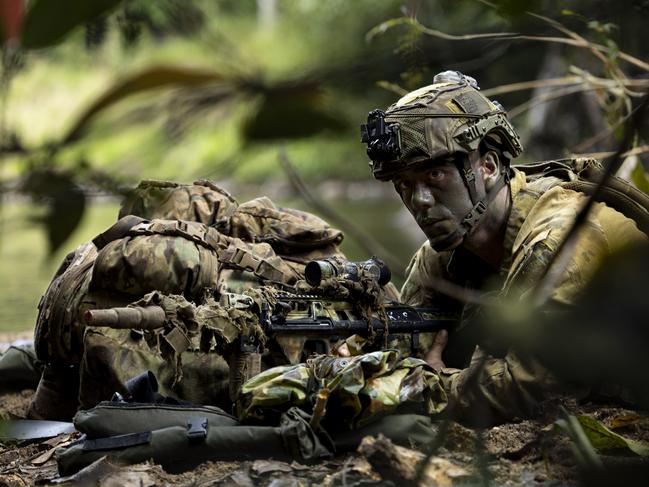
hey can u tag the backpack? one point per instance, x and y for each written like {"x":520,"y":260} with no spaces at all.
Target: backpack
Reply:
{"x":184,"y":239}
{"x":583,"y":174}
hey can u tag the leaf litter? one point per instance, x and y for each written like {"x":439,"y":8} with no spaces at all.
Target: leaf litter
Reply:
{"x":528,"y":453}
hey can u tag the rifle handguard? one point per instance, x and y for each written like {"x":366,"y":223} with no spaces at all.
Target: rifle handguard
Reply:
{"x":147,"y":318}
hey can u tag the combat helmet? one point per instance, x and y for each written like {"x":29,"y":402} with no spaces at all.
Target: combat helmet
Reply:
{"x":447,"y":119}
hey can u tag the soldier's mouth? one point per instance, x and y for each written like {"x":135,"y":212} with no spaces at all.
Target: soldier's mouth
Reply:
{"x":429,"y":222}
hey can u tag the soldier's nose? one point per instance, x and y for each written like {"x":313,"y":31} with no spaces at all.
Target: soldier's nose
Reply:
{"x":422,"y":196}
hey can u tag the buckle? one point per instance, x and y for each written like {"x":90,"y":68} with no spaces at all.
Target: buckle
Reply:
{"x":469,"y":175}
{"x":197,"y":428}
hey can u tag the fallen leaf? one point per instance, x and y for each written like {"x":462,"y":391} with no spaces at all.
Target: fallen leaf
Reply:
{"x":43,"y":458}
{"x":627,"y":419}
{"x":58,"y":440}
{"x":603,"y":438}
{"x":261,"y":467}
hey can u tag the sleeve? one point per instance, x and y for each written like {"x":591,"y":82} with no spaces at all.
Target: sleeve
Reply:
{"x":501,"y":390}
{"x":514,"y":386}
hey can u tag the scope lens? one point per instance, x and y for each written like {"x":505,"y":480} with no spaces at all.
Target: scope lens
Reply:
{"x":313,"y":273}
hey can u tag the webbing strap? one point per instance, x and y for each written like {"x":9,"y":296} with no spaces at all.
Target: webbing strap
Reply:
{"x":229,"y":253}
{"x":243,"y":259}
{"x":481,"y":204}
{"x":114,"y":442}
{"x":198,"y":233}
{"x":118,"y":230}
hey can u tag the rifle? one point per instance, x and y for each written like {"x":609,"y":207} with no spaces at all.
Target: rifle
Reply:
{"x":300,"y":324}
{"x":310,"y":316}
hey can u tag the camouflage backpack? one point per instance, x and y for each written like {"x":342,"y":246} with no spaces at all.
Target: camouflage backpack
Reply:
{"x":189,"y":240}
{"x":583,"y":174}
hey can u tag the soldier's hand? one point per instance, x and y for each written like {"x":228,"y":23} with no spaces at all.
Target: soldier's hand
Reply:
{"x":434,"y":355}
{"x":343,"y":350}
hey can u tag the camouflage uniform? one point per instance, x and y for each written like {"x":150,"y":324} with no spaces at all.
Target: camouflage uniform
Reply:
{"x":512,"y":386}
{"x":451,"y":122}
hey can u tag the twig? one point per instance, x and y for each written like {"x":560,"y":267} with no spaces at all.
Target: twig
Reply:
{"x":643,"y":149}
{"x":602,"y":134}
{"x":561,"y":258}
{"x":546,"y":97}
{"x":563,"y":81}
{"x":504,"y":36}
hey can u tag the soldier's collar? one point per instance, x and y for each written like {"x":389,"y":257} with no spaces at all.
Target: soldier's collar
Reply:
{"x":518,"y":214}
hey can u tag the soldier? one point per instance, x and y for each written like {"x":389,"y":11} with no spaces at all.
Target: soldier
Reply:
{"x":447,"y":150}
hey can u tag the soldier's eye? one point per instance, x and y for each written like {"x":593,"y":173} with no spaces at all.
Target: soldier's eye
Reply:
{"x":435,"y":174}
{"x":401,"y":186}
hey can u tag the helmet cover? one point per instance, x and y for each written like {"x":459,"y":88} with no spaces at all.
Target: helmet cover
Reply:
{"x":443,"y":119}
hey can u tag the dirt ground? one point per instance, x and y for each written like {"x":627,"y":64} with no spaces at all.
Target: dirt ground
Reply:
{"x":526,"y":453}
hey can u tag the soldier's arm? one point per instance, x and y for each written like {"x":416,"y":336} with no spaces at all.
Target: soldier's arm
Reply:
{"x":512,"y":387}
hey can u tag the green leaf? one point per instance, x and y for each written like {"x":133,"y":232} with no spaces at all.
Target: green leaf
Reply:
{"x":639,"y":178}
{"x":149,"y":79}
{"x":48,"y":21}
{"x":603,"y":438}
{"x":64,"y":201}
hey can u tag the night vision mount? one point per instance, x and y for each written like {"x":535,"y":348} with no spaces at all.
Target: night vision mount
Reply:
{"x":383,"y":141}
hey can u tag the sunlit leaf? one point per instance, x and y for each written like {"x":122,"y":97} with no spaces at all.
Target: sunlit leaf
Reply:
{"x":627,"y":419}
{"x":639,"y":177}
{"x":64,"y":202}
{"x":150,"y":79}
{"x":603,"y":438}
{"x":48,"y":21}
{"x":286,"y":114}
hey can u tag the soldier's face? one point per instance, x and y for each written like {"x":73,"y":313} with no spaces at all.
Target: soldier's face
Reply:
{"x":437,"y":198}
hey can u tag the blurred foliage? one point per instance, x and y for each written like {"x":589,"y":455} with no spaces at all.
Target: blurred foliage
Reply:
{"x":181,"y":89}
{"x":48,"y":21}
{"x":95,"y":95}
{"x":63,"y":199}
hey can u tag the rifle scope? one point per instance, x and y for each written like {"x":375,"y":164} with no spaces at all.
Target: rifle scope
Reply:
{"x":318,"y":270}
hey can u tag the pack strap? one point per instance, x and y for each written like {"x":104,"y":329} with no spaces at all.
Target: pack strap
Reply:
{"x":114,"y":442}
{"x":231,"y":252}
{"x":118,"y":230}
{"x":198,"y":233}
{"x":241,"y":258}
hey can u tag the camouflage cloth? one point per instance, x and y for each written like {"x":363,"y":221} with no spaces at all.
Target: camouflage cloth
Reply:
{"x":348,"y":392}
{"x":194,"y":241}
{"x":512,"y":386}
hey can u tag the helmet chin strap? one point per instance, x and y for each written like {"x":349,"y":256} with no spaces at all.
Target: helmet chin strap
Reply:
{"x":480,"y":197}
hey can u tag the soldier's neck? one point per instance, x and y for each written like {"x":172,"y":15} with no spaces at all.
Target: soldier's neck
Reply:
{"x":486,"y":241}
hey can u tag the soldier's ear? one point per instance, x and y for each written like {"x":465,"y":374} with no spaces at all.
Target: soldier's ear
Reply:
{"x":490,"y":164}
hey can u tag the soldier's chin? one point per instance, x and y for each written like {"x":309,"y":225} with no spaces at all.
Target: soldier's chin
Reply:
{"x":442,"y":243}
